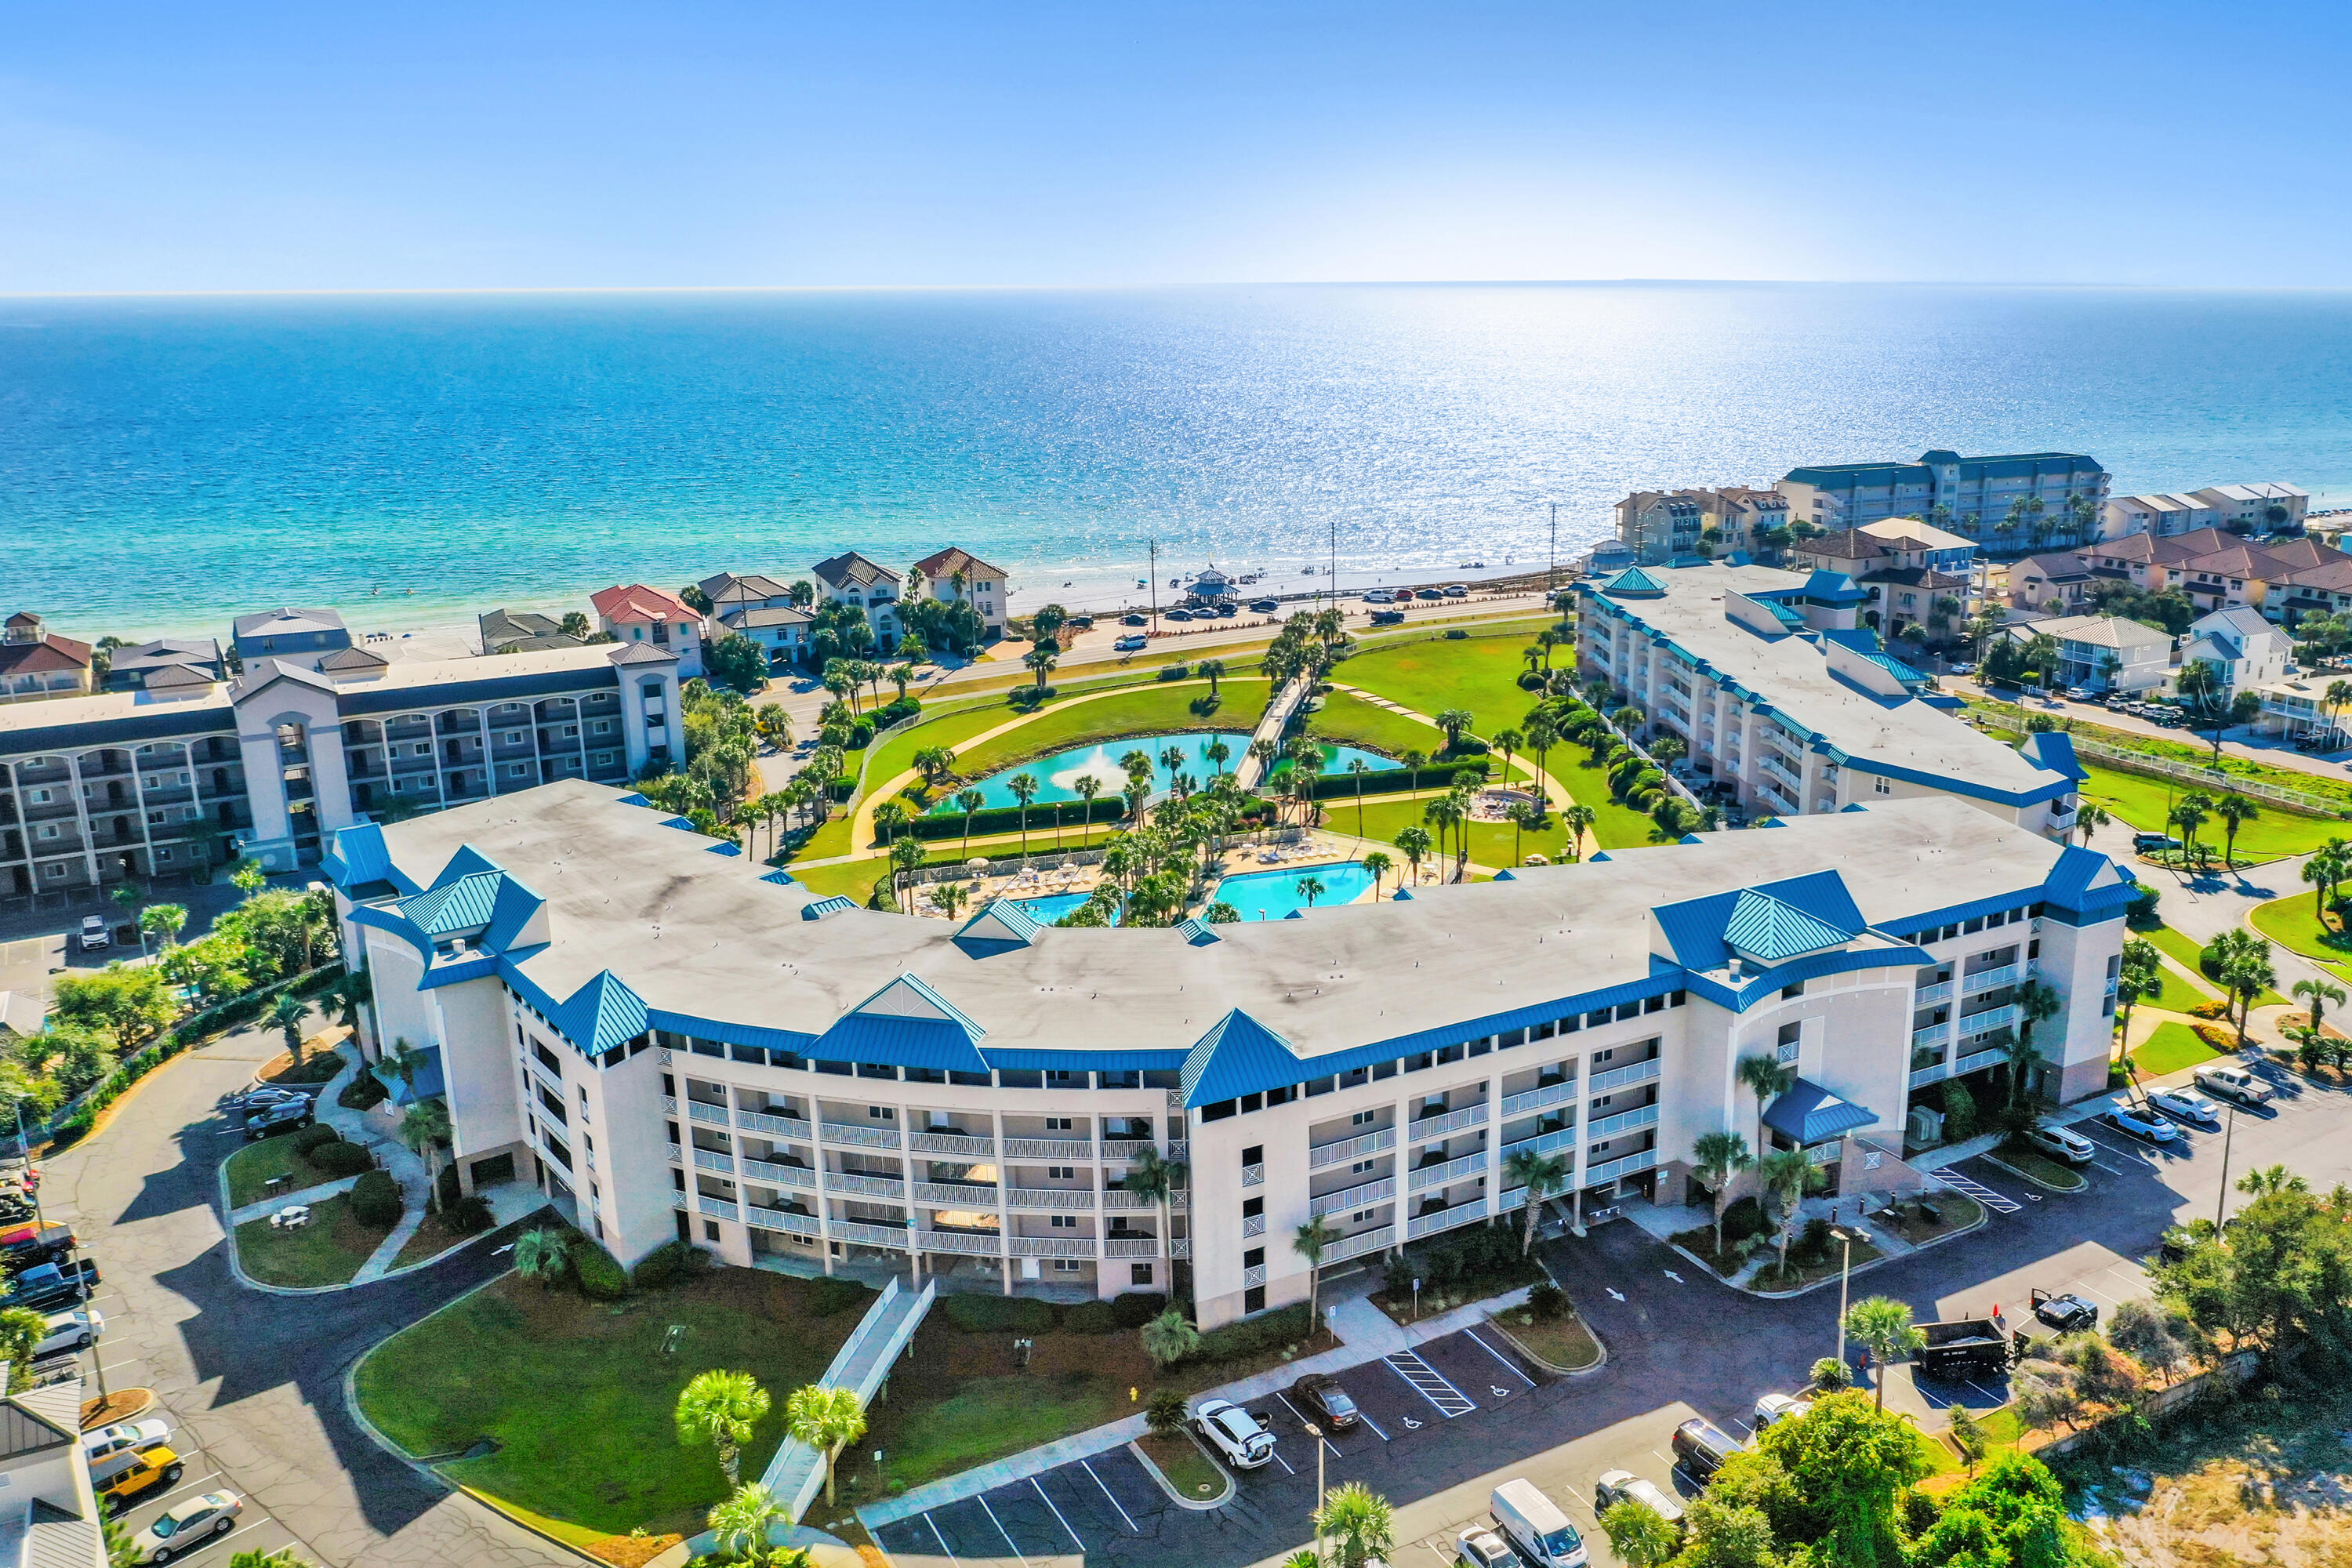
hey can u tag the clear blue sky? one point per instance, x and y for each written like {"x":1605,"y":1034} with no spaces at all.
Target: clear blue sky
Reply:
{"x":227,"y":145}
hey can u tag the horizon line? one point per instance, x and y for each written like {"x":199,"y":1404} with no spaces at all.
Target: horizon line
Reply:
{"x":1151,"y":287}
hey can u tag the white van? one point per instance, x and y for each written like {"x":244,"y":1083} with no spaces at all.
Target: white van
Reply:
{"x":1535,"y":1526}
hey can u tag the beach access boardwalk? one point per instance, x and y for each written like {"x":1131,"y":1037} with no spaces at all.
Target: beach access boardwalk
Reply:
{"x":1249,"y":770}
{"x":862,"y":1364}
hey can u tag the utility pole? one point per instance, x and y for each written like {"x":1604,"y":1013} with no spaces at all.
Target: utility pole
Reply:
{"x":1335,"y":562}
{"x":1155,"y":586}
{"x":1551,"y":573}
{"x":2223,"y":1203}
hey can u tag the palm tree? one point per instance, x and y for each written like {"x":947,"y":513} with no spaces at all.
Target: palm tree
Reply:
{"x":827,"y":1419}
{"x":2272,"y":1179}
{"x":1455,"y":721}
{"x":163,"y":922}
{"x":2234,"y":810}
{"x":1217,"y":752}
{"x":906,"y":856}
{"x":2139,"y":974}
{"x":2325,"y":870}
{"x":971,"y":800}
{"x":1156,"y":1181}
{"x":1359,"y":1522}
{"x":1509,"y":742}
{"x":2318,"y":996}
{"x":1212,"y":670}
{"x":1379,"y":865}
{"x":949,"y":897}
{"x":1444,"y":812}
{"x":542,"y":1255}
{"x":1356,"y":769}
{"x":423,"y":1128}
{"x":1884,"y":1326}
{"x":1787,"y":1174}
{"x":1542,"y":1175}
{"x":1716,"y":1158}
{"x":890,"y":816}
{"x":2189,"y":816}
{"x":722,"y":1408}
{"x":2089,"y":816}
{"x":1523,"y":815}
{"x":1309,"y":1242}
{"x":1414,"y":841}
{"x":742,"y":1522}
{"x":1042,"y":661}
{"x":286,"y":1016}
{"x":1025,"y":790}
{"x":1768,"y":1078}
{"x":1579,"y":819}
{"x":1542,"y":736}
{"x":2036,"y":1000}
{"x":2248,"y":973}
{"x":1639,"y":1534}
{"x":1310,"y":889}
{"x":1169,"y":1338}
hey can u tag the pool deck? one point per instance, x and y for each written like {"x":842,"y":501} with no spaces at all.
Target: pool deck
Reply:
{"x":1302,"y":853}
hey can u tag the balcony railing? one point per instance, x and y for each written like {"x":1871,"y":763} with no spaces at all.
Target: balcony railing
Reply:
{"x":711,"y":1160}
{"x":1623,"y":1121}
{"x":1354,"y":1148}
{"x":970,"y":1243}
{"x":780,"y":1219}
{"x":1542,"y":1144}
{"x":1611,"y":1170}
{"x":1053,"y":1246}
{"x":783,"y":1176}
{"x":791,"y":1127}
{"x":1253,"y":1225}
{"x":1426,"y":1128}
{"x":1921,"y":1076}
{"x":717,"y":1208}
{"x":865,"y":1235}
{"x":861,"y":1137}
{"x":952,"y":1144}
{"x":1049,"y":1198}
{"x":1254,"y":1274}
{"x":669,"y":1104}
{"x":1353,"y":1197}
{"x":1129,"y":1149}
{"x":1976,"y":1060}
{"x":1933,"y":1035}
{"x":1541,"y":1099}
{"x":1462,"y":1214}
{"x":1049,"y":1149}
{"x":1438,"y":1175}
{"x":847,"y":1183}
{"x":708,"y":1115}
{"x":1618,"y":1077}
{"x":1986,"y":979}
{"x":1363,"y":1241}
{"x":956,"y":1194}
{"x":1120,"y":1198}
{"x":1131,"y":1247}
{"x":1991,"y":1018}
{"x":1928,"y":995}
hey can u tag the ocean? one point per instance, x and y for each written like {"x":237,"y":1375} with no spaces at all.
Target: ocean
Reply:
{"x":167,"y":462}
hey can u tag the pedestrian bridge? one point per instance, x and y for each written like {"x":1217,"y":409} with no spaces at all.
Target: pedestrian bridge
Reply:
{"x":862,"y":1364}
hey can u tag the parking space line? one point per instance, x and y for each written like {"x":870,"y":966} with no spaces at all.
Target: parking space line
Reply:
{"x":1000,"y":1530}
{"x":1277,"y":1455}
{"x":182,"y":1487}
{"x":1365,"y":1416}
{"x":1292,"y":1408}
{"x":2086,"y":1290}
{"x":1470,"y":1334}
{"x":1996,"y":1404}
{"x":943,"y":1540}
{"x":1089,"y":1469}
{"x":1057,"y":1512}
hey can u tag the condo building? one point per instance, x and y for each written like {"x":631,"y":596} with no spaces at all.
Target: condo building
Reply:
{"x":1971,"y":497}
{"x":1778,"y":696}
{"x":672,"y":1042}
{"x":188,"y":771}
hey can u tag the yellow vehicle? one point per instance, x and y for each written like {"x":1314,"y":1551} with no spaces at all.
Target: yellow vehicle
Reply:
{"x":138,"y":1472}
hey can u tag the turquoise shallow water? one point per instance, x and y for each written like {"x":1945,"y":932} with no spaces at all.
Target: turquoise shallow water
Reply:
{"x":1272,"y":895}
{"x":1057,"y":776}
{"x":409,"y":459}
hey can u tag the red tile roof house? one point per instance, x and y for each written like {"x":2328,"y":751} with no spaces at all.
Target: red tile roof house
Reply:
{"x":638,"y":613}
{"x":36,"y":662}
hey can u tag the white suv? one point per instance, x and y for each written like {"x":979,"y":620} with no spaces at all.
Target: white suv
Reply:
{"x":1235,"y":1433}
{"x":93,"y":933}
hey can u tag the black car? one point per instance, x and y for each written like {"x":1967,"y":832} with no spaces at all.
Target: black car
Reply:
{"x":270,"y":1121}
{"x":1325,"y":1401}
{"x":1702,"y":1447}
{"x":49,"y":1289}
{"x":2067,"y":1314}
{"x":1132,"y":621}
{"x":1265,"y":607}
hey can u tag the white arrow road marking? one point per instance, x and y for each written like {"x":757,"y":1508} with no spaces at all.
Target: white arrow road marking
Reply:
{"x":1614,"y":1295}
{"x":1672,"y":1275}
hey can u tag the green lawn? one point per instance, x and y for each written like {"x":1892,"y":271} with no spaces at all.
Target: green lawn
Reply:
{"x":1146,"y":709}
{"x":579,"y":1394}
{"x":2147,"y":803}
{"x":2176,"y":994}
{"x":1479,"y":673}
{"x":1179,"y":1458}
{"x":1347,"y":718}
{"x":2171,"y":1048}
{"x":327,"y":1251}
{"x":2294,"y":924}
{"x":2186,"y":949}
{"x":254,"y":1165}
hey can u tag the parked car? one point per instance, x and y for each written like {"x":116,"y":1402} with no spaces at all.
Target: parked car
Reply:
{"x":1624,"y":1486}
{"x":2148,"y":843}
{"x":1388,"y":617}
{"x":246,"y":1101}
{"x":1535,"y":1526}
{"x":2187,"y":1105}
{"x":271,"y":1119}
{"x":1323,"y":1399}
{"x":1265,"y":607}
{"x":1132,"y":621}
{"x":122,"y":1434}
{"x":2232,"y":1081}
{"x":1229,"y":609}
{"x":1380,"y":596}
{"x":49,"y":1289}
{"x":2145,"y":1126}
{"x":1701,"y":1447}
{"x":2067,"y":1314}
{"x":1177,"y":615}
{"x":135,"y":1473}
{"x":2058,"y":1143}
{"x":93,"y":933}
{"x":1128,"y":644}
{"x":186,"y":1525}
{"x":30,"y":1246}
{"x":1479,"y":1547}
{"x":1457,"y":589}
{"x":70,"y":1332}
{"x":1234,"y":1433}
{"x":1431,"y":594}
{"x":1774,"y":1407}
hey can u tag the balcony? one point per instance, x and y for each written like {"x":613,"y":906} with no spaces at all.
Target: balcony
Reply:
{"x":708,"y":1114}
{"x":1986,"y":979}
{"x":1357,"y":1197}
{"x":1046,"y":1148}
{"x":791,"y":1127}
{"x":1924,"y":1076}
{"x":1978,"y":1060}
{"x":1611,"y":1170}
{"x":953,"y":1143}
{"x":1444,"y":1219}
{"x":1449,"y":1171}
{"x":1253,"y":1225}
{"x":1356,"y":1246}
{"x":1425,"y":1128}
{"x":711,"y":1160}
{"x":1053,"y":1247}
{"x":717,"y":1208}
{"x":783,"y":1176}
{"x":1354,"y":1148}
{"x":1932,"y":1036}
{"x":1126,"y":1149}
{"x":1254,"y":1275}
{"x":969,"y":1244}
{"x":858,"y":1137}
{"x":1623,"y":1121}
{"x":956,"y":1194}
{"x":865,"y":1234}
{"x":1120,"y":1198}
{"x":1049,"y":1198}
{"x":1538,"y":1099}
{"x":1131,"y":1247}
{"x":1928,"y":995}
{"x":1991,"y":1018}
{"x":1254,"y":1175}
{"x":780,"y":1219}
{"x":848,"y":1185}
{"x":1618,"y":1077}
{"x":1542,"y":1144}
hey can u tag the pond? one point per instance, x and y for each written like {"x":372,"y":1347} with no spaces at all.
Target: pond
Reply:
{"x":1272,"y":895}
{"x":1057,"y":776}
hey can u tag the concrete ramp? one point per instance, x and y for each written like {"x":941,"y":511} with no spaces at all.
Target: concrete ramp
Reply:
{"x":797,"y":1472}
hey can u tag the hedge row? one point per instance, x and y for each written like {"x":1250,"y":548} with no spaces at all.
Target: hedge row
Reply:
{"x":1007,"y":818}
{"x":1391,"y":781}
{"x":193,"y":1030}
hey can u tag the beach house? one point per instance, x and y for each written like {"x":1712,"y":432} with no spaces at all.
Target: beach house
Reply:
{"x":36,"y":663}
{"x":852,"y":579}
{"x":953,"y":575}
{"x":637,"y":613}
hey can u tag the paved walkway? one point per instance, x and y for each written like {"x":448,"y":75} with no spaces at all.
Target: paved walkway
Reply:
{"x":1365,"y":1333}
{"x":265,"y":1207}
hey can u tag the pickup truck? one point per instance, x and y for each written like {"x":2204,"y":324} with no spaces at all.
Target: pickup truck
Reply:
{"x":1955,"y":1349}
{"x":49,"y":1289}
{"x":30,"y":1246}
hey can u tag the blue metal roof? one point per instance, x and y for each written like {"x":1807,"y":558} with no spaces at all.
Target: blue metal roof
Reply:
{"x":1634,"y":582}
{"x":2055,"y":750}
{"x":510,"y":911}
{"x":1763,"y":927}
{"x":359,"y":856}
{"x":823,"y":907}
{"x":1239,"y":1055}
{"x":900,"y":1042}
{"x":1809,"y":1113}
{"x":603,"y":1014}
{"x":780,"y":877}
{"x":461,"y":905}
{"x":1196,"y":931}
{"x":1825,"y":587}
{"x":1002,"y":920}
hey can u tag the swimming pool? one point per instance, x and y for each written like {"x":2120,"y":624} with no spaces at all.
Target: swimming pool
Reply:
{"x":1271,"y":895}
{"x":1057,"y":776}
{"x":1045,"y":911}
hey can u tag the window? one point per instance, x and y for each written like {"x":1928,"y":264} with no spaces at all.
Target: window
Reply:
{"x":422,"y":749}
{"x":1065,"y":1221}
{"x":1253,"y":1299}
{"x":1790,"y":1035}
{"x":1066,"y":1265}
{"x":711,"y":1230}
{"x":1882,"y":786}
{"x":1360,"y":1166}
{"x":53,"y":873}
{"x":1363,"y":1118}
{"x":1790,"y":993}
{"x":1254,"y":1155}
{"x":1252,"y":1207}
{"x":1139,"y":1274}
{"x":1061,"y":1173}
{"x":48,"y":830}
{"x":518,"y":770}
{"x":1254,"y":1258}
{"x":880,"y":1113}
{"x":1058,"y":1124}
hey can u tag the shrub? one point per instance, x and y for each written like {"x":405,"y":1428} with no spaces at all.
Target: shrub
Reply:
{"x":2210,"y":1010}
{"x":1531,"y":681}
{"x":375,"y":1197}
{"x":1396,"y":1279}
{"x":446,"y":1186}
{"x":469,"y":1216}
{"x":1743,"y":1219}
{"x":861,"y":734}
{"x":365,"y":1092}
{"x":337,"y":1158}
{"x":1089,"y":1317}
{"x":1547,"y":1303}
{"x":1000,"y":1315}
{"x":1959,"y":1111}
{"x":829,"y":1297}
{"x":1455,"y":634}
{"x":1283,"y":1327}
{"x":1164,"y":1412}
{"x":897,"y":711}
{"x":1813,"y":1244}
{"x":601,"y":1278}
{"x":1138,"y":1307}
{"x":1830,"y":1374}
{"x":1175,"y":672}
{"x":312,"y":1137}
{"x":2142,"y":915}
{"x":2221,"y":1039}
{"x":671,"y":1263}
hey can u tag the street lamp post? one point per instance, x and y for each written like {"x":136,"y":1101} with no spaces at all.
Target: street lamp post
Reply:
{"x":2222,"y":1202}
{"x":1315,"y":1515}
{"x":1845,"y":1279}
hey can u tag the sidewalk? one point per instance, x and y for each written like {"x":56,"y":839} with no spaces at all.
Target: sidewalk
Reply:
{"x":1366,"y":1334}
